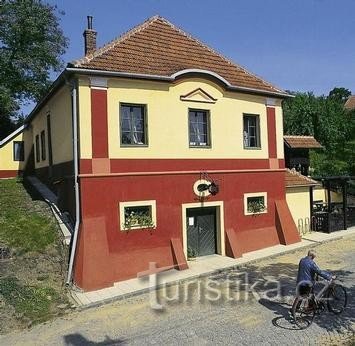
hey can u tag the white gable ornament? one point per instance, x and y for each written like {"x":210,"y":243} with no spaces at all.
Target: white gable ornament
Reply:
{"x":198,"y":95}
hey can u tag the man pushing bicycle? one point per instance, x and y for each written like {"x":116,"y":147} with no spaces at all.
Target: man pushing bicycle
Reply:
{"x":307,"y":271}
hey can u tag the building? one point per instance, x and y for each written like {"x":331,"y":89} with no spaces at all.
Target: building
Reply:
{"x":350,"y":103}
{"x":177,"y":152}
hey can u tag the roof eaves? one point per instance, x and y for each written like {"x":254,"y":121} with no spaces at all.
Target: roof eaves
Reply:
{"x":172,"y":77}
{"x":13,"y":135}
{"x":52,"y":89}
{"x":299,"y":185}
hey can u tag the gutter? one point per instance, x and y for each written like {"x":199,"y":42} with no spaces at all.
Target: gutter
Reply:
{"x":76,"y":183}
{"x":174,"y":76}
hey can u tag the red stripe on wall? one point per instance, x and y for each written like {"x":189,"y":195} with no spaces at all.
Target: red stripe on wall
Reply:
{"x":271,"y":129}
{"x":85,"y":166}
{"x":9,"y":174}
{"x":155,"y":165}
{"x":99,"y":128}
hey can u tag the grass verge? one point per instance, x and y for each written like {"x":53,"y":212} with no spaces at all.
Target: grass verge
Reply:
{"x":32,"y":278}
{"x":24,"y":227}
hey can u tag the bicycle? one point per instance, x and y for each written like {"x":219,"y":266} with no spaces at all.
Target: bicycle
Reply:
{"x":311,"y":304}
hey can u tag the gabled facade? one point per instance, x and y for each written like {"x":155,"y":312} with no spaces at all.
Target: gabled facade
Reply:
{"x":177,"y":152}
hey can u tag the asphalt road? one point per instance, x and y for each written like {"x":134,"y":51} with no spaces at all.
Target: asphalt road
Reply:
{"x":245,"y":307}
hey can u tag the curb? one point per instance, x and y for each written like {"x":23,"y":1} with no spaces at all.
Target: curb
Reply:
{"x":203,"y":275}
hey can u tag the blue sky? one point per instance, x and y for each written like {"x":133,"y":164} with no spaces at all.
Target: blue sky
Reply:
{"x":301,"y":45}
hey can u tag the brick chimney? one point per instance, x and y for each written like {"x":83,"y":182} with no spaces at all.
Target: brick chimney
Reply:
{"x":89,"y":38}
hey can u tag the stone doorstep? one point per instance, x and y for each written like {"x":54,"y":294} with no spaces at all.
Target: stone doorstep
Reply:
{"x":198,"y":269}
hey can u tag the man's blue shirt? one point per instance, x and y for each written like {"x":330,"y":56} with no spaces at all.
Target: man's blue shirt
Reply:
{"x":307,"y":271}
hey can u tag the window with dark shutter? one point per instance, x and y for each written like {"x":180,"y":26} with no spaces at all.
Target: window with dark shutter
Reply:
{"x":19,"y":151}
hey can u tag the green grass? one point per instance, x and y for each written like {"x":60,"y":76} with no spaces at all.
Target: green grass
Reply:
{"x":32,"y":302}
{"x":23,"y":227}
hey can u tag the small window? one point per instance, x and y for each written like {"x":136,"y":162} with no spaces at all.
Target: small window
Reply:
{"x":19,"y":151}
{"x":137,"y":215}
{"x":255,"y":203}
{"x":199,"y":128}
{"x":133,"y":125}
{"x":251,"y":131}
{"x":38,"y":155}
{"x":43,"y":146}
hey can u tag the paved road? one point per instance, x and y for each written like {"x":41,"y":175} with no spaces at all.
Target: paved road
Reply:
{"x":229,"y":308}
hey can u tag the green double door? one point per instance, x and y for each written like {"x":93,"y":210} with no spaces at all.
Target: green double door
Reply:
{"x":201,"y":231}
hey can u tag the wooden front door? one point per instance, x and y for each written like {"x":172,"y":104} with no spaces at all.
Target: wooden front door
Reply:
{"x":201,"y":231}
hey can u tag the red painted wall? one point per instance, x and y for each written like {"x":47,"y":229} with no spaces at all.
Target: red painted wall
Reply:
{"x":99,"y":123}
{"x":271,"y":131}
{"x":9,"y":173}
{"x":106,"y":254}
{"x":154,"y":165}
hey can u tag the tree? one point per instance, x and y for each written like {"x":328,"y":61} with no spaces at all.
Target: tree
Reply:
{"x":300,"y":113}
{"x":326,"y":119}
{"x":31,"y":45}
{"x":340,"y":94}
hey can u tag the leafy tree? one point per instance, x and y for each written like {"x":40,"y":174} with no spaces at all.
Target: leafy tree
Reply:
{"x":340,"y":94}
{"x":31,"y":45}
{"x":300,"y":113}
{"x":326,"y":119}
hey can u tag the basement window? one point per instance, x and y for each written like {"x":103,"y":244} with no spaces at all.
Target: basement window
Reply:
{"x":255,"y":203}
{"x":137,"y":215}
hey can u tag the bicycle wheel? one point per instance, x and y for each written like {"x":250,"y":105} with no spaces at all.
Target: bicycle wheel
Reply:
{"x":337,"y":299}
{"x":304,"y":311}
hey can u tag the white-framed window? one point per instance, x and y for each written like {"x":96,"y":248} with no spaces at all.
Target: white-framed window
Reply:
{"x":133,"y":124}
{"x":137,"y":215}
{"x":199,"y":128}
{"x":251,"y":131}
{"x":255,"y":203}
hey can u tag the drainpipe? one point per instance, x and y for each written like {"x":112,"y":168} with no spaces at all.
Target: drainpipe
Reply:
{"x":76,"y":182}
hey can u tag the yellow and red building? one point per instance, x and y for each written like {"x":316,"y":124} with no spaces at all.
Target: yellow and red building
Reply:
{"x":160,"y":149}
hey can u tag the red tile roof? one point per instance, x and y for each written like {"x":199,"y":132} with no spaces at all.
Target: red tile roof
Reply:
{"x":301,"y":142}
{"x":159,"y":48}
{"x":294,"y":179}
{"x":350,"y":103}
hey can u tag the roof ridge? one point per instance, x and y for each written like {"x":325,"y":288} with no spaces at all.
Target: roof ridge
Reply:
{"x":151,"y":20}
{"x":115,"y":41}
{"x":294,"y":172}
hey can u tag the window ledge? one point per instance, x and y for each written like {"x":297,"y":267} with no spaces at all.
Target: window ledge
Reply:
{"x":200,"y":146}
{"x":134,"y":145}
{"x":252,"y":148}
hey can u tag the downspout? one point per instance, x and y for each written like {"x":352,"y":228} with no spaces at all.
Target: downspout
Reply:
{"x":76,"y":183}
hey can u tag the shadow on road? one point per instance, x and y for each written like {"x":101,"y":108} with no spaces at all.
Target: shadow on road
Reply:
{"x":79,"y":340}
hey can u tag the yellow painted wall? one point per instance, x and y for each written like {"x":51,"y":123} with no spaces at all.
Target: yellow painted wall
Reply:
{"x":320,"y":194}
{"x":279,"y":131}
{"x":168,"y":133}
{"x":85,"y":119}
{"x":7,"y":155}
{"x":59,"y":108}
{"x":298,"y":202}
